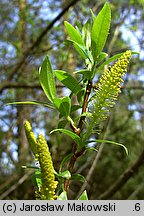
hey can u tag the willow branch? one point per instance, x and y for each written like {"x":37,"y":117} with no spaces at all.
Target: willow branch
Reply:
{"x":88,"y":91}
{"x":124,"y":177}
{"x":78,"y":154}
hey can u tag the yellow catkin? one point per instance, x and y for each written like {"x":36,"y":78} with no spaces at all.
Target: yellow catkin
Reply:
{"x":109,"y":86}
{"x":107,"y":91}
{"x":31,"y":138}
{"x":42,"y":154}
{"x":49,"y":184}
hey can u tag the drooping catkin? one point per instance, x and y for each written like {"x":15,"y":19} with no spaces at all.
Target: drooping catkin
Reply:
{"x":47,"y":170}
{"x":42,"y":154}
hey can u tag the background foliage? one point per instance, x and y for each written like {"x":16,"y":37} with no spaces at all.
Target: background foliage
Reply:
{"x":31,"y":29}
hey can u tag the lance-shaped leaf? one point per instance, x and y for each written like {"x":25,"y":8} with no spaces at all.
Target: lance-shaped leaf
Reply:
{"x":112,"y":59}
{"x":62,"y":122}
{"x":101,"y":57}
{"x":74,"y":136}
{"x":66,"y":174}
{"x":86,"y":33}
{"x":78,"y":177}
{"x":81,"y":49}
{"x":66,"y":159}
{"x":68,"y":80}
{"x":32,"y":103}
{"x":100,"y":30}
{"x":110,"y":142}
{"x":92,"y":14}
{"x":109,"y":60}
{"x":73,"y":33}
{"x":76,"y":39}
{"x":85,"y":72}
{"x":63,"y":105}
{"x":47,"y":79}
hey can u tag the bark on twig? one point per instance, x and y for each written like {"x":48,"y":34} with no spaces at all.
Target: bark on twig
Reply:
{"x":76,"y":155}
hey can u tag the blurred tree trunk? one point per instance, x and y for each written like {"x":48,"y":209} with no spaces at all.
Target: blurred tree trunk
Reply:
{"x":23,"y":150}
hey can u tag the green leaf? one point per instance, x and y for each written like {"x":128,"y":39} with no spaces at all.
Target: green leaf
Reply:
{"x":101,"y":57}
{"x":78,"y":177}
{"x":80,"y":96}
{"x":30,"y":167}
{"x":93,"y":16}
{"x":63,"y":105}
{"x":66,"y":159}
{"x":62,"y":122}
{"x":66,"y":175}
{"x":38,"y":178}
{"x":47,"y":79}
{"x":32,"y":103}
{"x":73,"y":33}
{"x":82,"y":50}
{"x":62,"y":196}
{"x":135,"y":53}
{"x":100,"y":30}
{"x":75,"y":108}
{"x":83,"y":196}
{"x":91,"y":148}
{"x":85,"y":72}
{"x":109,"y":142}
{"x":68,"y":80}
{"x":74,"y":136}
{"x":86,"y":33}
{"x":112,"y":59}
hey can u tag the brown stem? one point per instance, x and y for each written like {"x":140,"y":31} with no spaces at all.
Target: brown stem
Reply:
{"x":87,"y":93}
{"x":71,"y":165}
{"x":77,"y":131}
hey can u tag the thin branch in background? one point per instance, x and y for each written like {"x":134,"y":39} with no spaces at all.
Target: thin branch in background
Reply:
{"x":9,"y":181}
{"x":16,"y":185}
{"x":39,"y":39}
{"x":124,"y":177}
{"x":95,"y":161}
{"x":10,"y":85}
{"x":114,"y":38}
{"x":137,"y":191}
{"x":13,"y":85}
